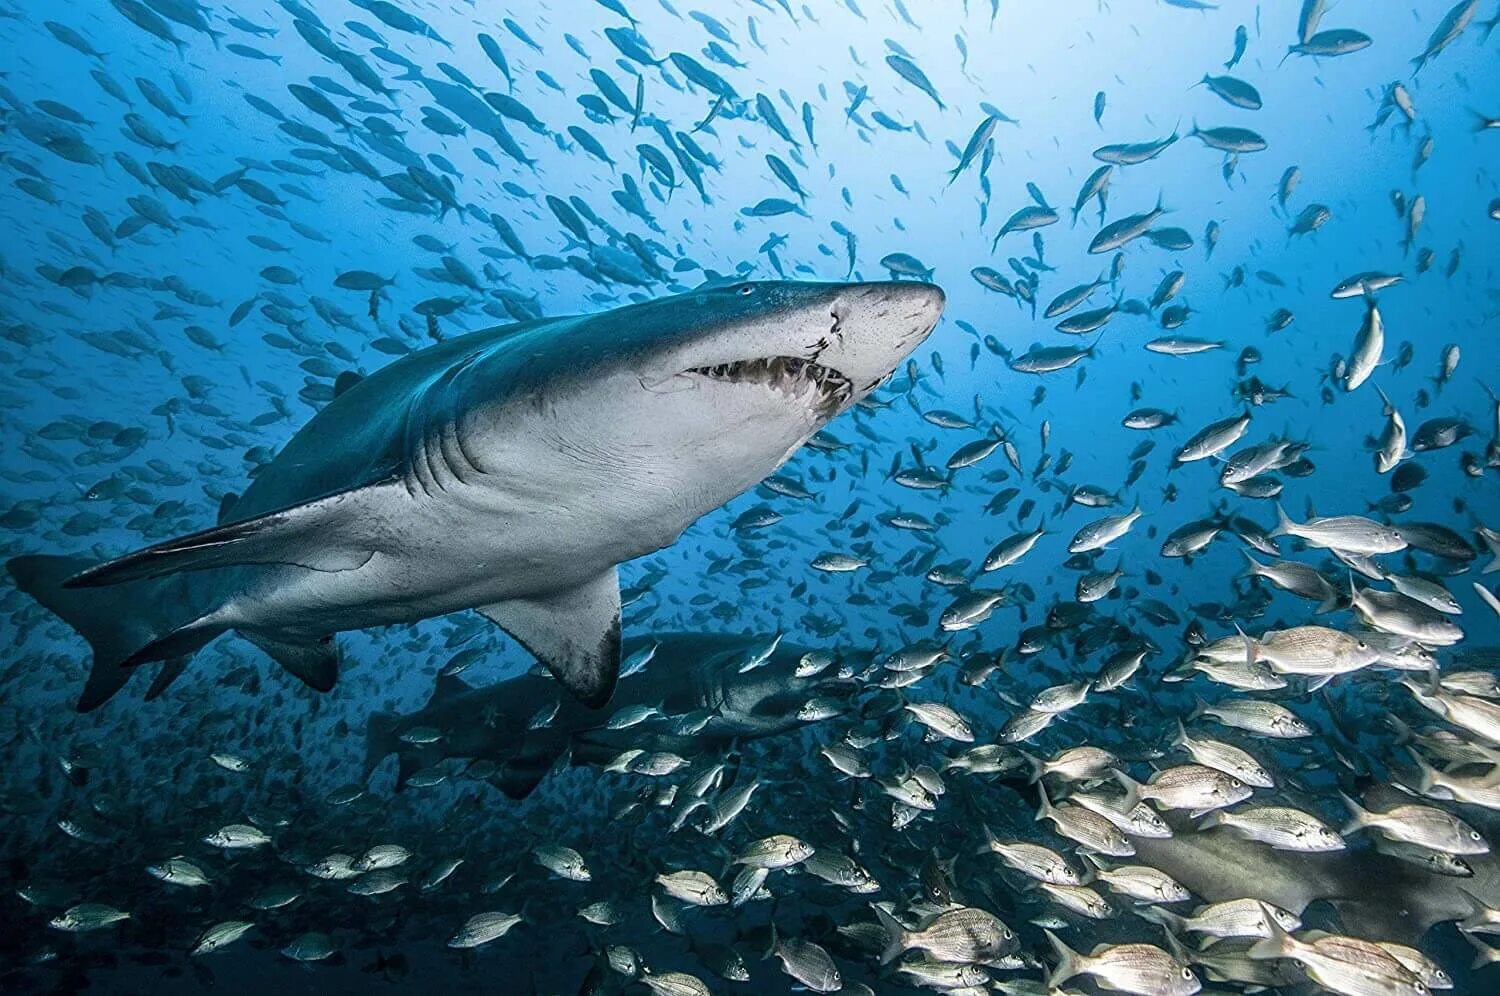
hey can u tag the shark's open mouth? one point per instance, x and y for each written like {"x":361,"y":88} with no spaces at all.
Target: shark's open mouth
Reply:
{"x":790,"y":372}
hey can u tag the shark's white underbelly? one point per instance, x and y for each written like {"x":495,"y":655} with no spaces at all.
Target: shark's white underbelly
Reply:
{"x":456,"y":552}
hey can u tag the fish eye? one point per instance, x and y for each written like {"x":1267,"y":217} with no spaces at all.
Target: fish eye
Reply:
{"x":1235,"y":783}
{"x":1187,"y":973}
{"x":1474,"y":835}
{"x":745,"y":290}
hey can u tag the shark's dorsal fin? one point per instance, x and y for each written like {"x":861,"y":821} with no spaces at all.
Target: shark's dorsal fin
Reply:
{"x":575,"y":633}
{"x":226,"y":506}
{"x":446,"y":687}
{"x":346,"y":380}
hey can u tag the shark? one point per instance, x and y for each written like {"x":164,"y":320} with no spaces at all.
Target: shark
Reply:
{"x":1372,"y":895}
{"x":703,"y":702}
{"x":508,"y":471}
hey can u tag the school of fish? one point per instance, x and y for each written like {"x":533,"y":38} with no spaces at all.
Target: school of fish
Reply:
{"x":782,"y":548}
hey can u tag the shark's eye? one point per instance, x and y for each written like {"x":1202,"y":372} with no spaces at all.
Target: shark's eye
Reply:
{"x":745,"y":290}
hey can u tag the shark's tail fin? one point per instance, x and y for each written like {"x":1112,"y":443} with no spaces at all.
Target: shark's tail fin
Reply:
{"x":126,"y":624}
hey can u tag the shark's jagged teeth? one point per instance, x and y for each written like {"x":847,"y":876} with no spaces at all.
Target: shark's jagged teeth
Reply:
{"x":833,"y":387}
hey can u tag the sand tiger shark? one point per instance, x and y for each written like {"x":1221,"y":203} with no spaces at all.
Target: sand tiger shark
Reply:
{"x":507,"y":471}
{"x":700,"y":691}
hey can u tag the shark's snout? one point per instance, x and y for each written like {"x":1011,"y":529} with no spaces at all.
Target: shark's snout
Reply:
{"x":876,"y":325}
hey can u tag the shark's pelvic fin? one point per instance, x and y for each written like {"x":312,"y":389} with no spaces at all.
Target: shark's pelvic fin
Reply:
{"x":575,"y":633}
{"x":315,"y":535}
{"x":315,"y":664}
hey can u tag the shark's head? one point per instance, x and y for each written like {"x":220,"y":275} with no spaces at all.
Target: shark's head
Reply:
{"x":649,"y":416}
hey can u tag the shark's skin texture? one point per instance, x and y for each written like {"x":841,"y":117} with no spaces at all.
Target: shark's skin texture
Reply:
{"x":507,"y":471}
{"x":690,"y":673}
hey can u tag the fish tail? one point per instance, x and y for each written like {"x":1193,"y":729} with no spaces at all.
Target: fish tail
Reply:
{"x":1044,"y":809}
{"x":1359,"y":818}
{"x":1283,"y":523}
{"x":1069,"y":964}
{"x":896,"y":937}
{"x":135,"y":622}
{"x":1277,"y":944}
{"x":1132,"y":792}
{"x":1425,"y":772}
{"x":1166,"y":919}
{"x":1033,"y":768}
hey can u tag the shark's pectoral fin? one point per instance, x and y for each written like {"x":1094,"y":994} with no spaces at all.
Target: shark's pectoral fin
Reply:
{"x":327,"y":534}
{"x":519,"y":778}
{"x":315,"y":664}
{"x":540,"y":753}
{"x":574,"y":633}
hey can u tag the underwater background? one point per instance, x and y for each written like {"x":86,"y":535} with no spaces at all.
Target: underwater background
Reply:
{"x":212,"y":211}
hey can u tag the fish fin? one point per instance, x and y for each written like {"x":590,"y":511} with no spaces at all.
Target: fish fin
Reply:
{"x":315,"y":664}
{"x":1359,"y":818}
{"x":1132,"y":793}
{"x":1283,"y":523}
{"x":346,"y":380}
{"x":226,"y":506}
{"x":895,"y":936}
{"x":170,"y":671}
{"x":315,"y":535}
{"x":130,"y":624}
{"x":409,"y":762}
{"x":1171,"y":922}
{"x":1044,"y":809}
{"x":519,"y":777}
{"x":446,"y":687}
{"x":1069,"y":964}
{"x":574,"y":633}
{"x":1276,"y":944}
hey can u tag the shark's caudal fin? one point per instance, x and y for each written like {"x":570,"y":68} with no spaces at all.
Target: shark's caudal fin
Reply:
{"x":126,"y":625}
{"x":575,"y":633}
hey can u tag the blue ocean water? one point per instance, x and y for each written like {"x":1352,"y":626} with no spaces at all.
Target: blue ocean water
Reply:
{"x":187,"y":184}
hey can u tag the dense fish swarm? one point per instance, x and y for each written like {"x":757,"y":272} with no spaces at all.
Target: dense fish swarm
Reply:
{"x":1140,"y":635}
